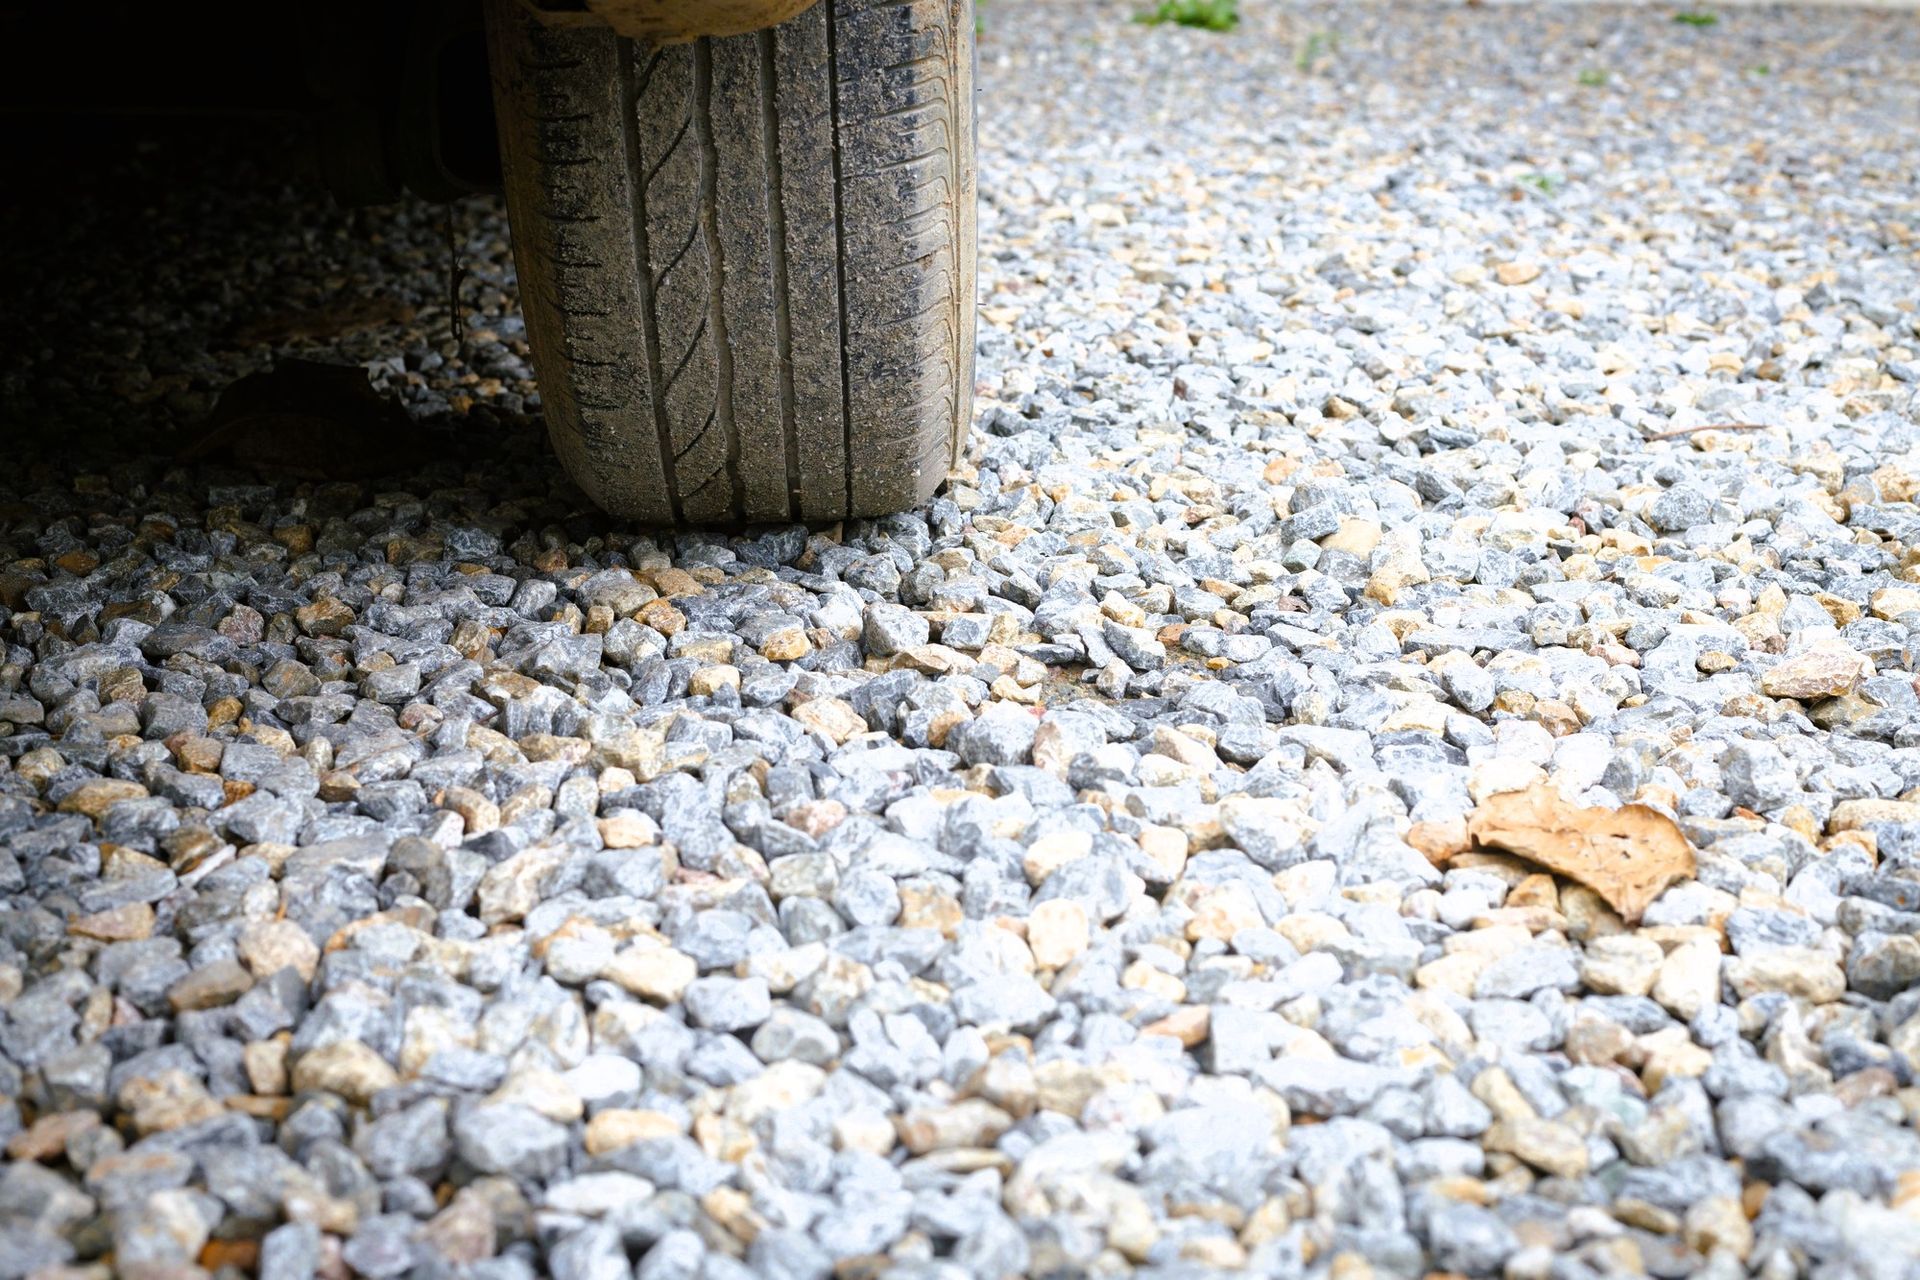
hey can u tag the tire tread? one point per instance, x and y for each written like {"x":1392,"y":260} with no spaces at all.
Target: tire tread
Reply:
{"x":746,"y":263}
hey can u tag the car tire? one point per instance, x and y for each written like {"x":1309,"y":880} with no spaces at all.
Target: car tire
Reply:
{"x":747,"y":263}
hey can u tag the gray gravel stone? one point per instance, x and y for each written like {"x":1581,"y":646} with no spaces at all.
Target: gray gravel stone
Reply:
{"x":510,"y":1139}
{"x":893,"y":628}
{"x":729,"y":1004}
{"x":1468,"y":1239}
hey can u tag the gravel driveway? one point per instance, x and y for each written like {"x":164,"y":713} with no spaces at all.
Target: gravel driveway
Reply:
{"x":1382,"y":410}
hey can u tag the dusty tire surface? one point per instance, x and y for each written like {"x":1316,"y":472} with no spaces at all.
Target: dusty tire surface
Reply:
{"x":747,"y":264}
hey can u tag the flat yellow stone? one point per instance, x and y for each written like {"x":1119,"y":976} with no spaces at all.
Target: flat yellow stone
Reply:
{"x":1825,"y":670}
{"x":1057,"y":932}
{"x":656,"y":973}
{"x":130,"y":922}
{"x":92,"y":799}
{"x":786,"y":645}
{"x":710,"y":680}
{"x":833,"y":717}
{"x":1891,"y":602}
{"x":1188,"y":1024}
{"x":345,"y":1067}
{"x":622,"y":1127}
{"x":672,"y":582}
{"x":1545,"y":1144}
{"x":662,"y":617}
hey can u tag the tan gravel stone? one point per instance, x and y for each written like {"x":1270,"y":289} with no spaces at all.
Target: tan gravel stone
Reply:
{"x":324,"y":617}
{"x":1801,"y":972}
{"x":210,"y":986}
{"x":973,"y":1122}
{"x":1718,"y":1223}
{"x":97,"y":795}
{"x":1066,"y":1086}
{"x":1141,"y":976}
{"x":1166,"y":848}
{"x":346,"y":1067}
{"x":129,"y":922}
{"x":541,"y":1090}
{"x":1188,"y":1024}
{"x":1051,"y":852}
{"x":1689,"y":979}
{"x":930,"y":907}
{"x":865,"y":1130}
{"x":709,"y":680}
{"x":1851,"y":815}
{"x":268,"y":946}
{"x":662,"y":617}
{"x":787,"y":644}
{"x":628,"y":830}
{"x":1008,"y":1081}
{"x":47,"y":1137}
{"x":1221,"y":912}
{"x":1357,"y":535}
{"x":466,"y":1231}
{"x":1308,"y":930}
{"x":654,"y":972}
{"x":480,"y":814}
{"x":1891,"y":602}
{"x":1456,"y":973}
{"x":514,"y":887}
{"x":549,"y":746}
{"x":1824,"y":670}
{"x":672,"y":582}
{"x":197,"y":753}
{"x":169,"y":1100}
{"x":1497,"y":1089}
{"x":834,"y":717}
{"x":1057,"y":932}
{"x":1621,"y":965}
{"x":615,"y":1128}
{"x":1545,"y":1144}
{"x":266,"y":1065}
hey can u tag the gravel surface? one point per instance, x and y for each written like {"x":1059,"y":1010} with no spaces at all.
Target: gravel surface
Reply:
{"x":415,"y":874}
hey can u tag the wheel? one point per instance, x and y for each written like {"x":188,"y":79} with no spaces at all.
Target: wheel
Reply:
{"x":747,"y":264}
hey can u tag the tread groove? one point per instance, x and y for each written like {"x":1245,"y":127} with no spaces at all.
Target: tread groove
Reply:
{"x":667,"y":155}
{"x":698,"y":436}
{"x":840,"y":240}
{"x":679,"y":256}
{"x":643,"y":276}
{"x":907,"y":109}
{"x":716,"y":266}
{"x":692,"y":347}
{"x":777,"y":255}
{"x":962,"y":337}
{"x":894,"y":166}
{"x":646,"y":77}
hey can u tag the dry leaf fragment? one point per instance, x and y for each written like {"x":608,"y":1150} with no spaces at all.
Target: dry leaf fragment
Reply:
{"x":312,"y":420}
{"x":1627,"y":855}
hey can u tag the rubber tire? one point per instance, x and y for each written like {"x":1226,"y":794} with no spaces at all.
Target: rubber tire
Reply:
{"x":747,"y":264}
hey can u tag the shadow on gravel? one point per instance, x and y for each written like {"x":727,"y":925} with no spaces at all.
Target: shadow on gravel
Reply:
{"x":312,"y":421}
{"x":189,"y":315}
